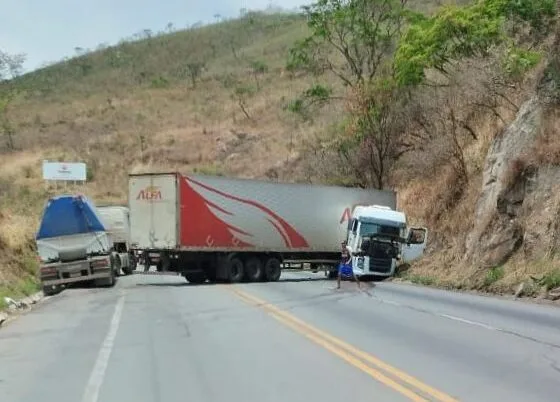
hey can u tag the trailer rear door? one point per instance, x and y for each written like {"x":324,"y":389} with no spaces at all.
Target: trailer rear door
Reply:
{"x":153,"y":205}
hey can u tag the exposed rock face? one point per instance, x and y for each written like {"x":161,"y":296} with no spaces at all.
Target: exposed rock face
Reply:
{"x":497,"y":234}
{"x":554,"y":294}
{"x":520,"y":212}
{"x":540,"y":215}
{"x":500,"y":242}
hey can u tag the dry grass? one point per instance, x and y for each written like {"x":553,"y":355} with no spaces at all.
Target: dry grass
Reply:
{"x":132,"y":108}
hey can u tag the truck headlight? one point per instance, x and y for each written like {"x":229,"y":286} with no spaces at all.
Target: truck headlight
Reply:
{"x":361,"y":262}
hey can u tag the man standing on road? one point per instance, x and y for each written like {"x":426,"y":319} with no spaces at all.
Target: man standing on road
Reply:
{"x":345,"y":268}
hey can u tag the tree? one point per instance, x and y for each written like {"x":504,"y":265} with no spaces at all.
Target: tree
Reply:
{"x":258,"y":68}
{"x":377,"y":129}
{"x":10,"y":67}
{"x":381,"y":52}
{"x":455,"y":33}
{"x":549,"y":87}
{"x":354,"y":40}
{"x":241,"y":94}
{"x":349,"y":38}
{"x":443,"y":119}
{"x":194,"y":70}
{"x":488,"y":32}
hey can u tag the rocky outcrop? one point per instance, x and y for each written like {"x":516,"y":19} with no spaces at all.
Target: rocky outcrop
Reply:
{"x":540,"y":215}
{"x":497,"y":232}
{"x":554,"y":294}
{"x":519,"y":204}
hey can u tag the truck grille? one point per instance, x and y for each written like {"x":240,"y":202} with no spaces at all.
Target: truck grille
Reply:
{"x":382,"y":265}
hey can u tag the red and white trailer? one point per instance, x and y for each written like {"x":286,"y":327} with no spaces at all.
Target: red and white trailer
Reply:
{"x":223,"y":229}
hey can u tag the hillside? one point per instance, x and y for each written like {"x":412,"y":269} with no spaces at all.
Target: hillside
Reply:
{"x":218,"y":99}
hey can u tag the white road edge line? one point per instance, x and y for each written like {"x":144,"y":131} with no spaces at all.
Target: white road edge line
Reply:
{"x":97,"y":375}
{"x":478,"y":324}
{"x":450,"y":317}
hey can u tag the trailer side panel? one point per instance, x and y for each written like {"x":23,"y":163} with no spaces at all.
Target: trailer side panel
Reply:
{"x":253,"y":215}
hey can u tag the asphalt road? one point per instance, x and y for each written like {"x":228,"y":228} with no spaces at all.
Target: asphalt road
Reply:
{"x":158,"y":339}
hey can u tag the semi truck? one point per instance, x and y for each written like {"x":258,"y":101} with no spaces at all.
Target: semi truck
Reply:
{"x":116,"y":219}
{"x":73,"y":244}
{"x":224,"y":229}
{"x":382,"y":240}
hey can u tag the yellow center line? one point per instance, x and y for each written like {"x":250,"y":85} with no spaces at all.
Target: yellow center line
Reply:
{"x":343,"y":355}
{"x":323,"y":338}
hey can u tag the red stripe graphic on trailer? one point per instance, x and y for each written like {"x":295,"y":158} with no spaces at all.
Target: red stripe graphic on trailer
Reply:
{"x":212,"y":217}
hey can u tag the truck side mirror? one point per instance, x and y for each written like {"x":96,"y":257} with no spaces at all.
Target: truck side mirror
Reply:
{"x":415,"y":236}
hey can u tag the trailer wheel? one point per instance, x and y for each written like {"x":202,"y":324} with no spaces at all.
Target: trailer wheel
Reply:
{"x":273,"y":269}
{"x":196,"y":277}
{"x":254,"y":271}
{"x":235,"y":270}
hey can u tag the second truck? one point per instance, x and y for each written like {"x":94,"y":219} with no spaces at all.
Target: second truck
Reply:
{"x":223,"y":229}
{"x":73,"y":245}
{"x":116,"y":219}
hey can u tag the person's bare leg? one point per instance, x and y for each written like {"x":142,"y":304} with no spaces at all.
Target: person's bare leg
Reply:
{"x":357,"y":280}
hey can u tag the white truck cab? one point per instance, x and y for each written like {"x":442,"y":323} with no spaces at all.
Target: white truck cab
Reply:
{"x":116,"y":219}
{"x":381,"y":240}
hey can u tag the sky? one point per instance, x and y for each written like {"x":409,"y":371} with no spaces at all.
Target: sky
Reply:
{"x":49,"y":30}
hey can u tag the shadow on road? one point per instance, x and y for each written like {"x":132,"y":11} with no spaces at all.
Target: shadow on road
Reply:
{"x":288,"y":280}
{"x":176,"y":284}
{"x":181,"y":284}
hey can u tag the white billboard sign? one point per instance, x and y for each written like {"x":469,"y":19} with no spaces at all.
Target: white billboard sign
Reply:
{"x":64,"y":171}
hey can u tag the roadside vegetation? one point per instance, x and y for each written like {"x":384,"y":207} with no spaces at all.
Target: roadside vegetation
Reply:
{"x":382,"y":93}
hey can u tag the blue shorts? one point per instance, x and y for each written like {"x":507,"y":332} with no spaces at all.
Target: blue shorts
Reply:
{"x":345,"y":271}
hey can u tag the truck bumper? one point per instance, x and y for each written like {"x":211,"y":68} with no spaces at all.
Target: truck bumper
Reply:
{"x":57,"y":282}
{"x":381,"y":267}
{"x":64,"y":273}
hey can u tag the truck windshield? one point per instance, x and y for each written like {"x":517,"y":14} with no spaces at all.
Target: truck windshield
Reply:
{"x":367,"y":228}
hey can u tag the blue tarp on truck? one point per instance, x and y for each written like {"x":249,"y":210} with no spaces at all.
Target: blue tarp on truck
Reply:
{"x":67,"y":215}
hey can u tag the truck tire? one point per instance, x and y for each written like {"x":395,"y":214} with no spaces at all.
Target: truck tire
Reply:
{"x":272,"y":269}
{"x":195,"y":277}
{"x":132,"y":263}
{"x":235,"y":269}
{"x":146,"y":261}
{"x":106,"y":282}
{"x":254,"y":271}
{"x":50,"y":290}
{"x":117,"y":264}
{"x":331,"y":273}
